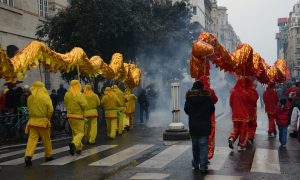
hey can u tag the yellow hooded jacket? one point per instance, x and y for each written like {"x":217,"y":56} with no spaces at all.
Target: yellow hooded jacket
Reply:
{"x":93,"y":102}
{"x":40,"y":107}
{"x":129,"y":101}
{"x":75,"y":101}
{"x":120,"y":96}
{"x":110,"y":102}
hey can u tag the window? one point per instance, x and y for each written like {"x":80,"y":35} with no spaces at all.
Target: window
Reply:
{"x":298,"y":72}
{"x":8,"y":2}
{"x":298,"y":62}
{"x":43,"y":7}
{"x":298,"y":40}
{"x":194,"y":10}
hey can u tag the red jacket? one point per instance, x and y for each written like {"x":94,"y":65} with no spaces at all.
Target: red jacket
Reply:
{"x":282,"y":116}
{"x":270,"y":99}
{"x":253,"y":97}
{"x":239,"y":102}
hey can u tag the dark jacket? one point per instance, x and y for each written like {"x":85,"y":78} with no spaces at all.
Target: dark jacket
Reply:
{"x":143,"y":100}
{"x":199,"y":107}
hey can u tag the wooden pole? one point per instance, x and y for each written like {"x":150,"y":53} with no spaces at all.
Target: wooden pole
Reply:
{"x":78,"y":73}
{"x":40,"y":72}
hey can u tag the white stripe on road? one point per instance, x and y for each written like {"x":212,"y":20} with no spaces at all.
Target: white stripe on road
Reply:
{"x":219,"y":158}
{"x":16,"y":152}
{"x":36,"y":156}
{"x":220,"y":177}
{"x":266,"y":161}
{"x":149,"y":176}
{"x":122,"y":155}
{"x":85,"y":153}
{"x":165,"y":157}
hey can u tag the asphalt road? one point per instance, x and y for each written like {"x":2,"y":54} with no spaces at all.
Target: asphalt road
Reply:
{"x":142,"y":154}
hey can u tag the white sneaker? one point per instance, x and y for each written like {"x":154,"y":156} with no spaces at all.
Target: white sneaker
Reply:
{"x":241,"y":149}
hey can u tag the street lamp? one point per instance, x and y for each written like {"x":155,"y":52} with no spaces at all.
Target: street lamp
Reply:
{"x":176,"y":130}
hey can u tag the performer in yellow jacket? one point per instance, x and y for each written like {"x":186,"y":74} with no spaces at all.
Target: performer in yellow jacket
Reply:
{"x":40,"y":112}
{"x":110,"y":102}
{"x":76,"y":105}
{"x":121,"y":108}
{"x":91,"y":114}
{"x":130,"y":108}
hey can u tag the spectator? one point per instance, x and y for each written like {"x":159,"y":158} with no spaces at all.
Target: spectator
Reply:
{"x":23,"y":99}
{"x":144,"y":104}
{"x":54,"y":98}
{"x":61,"y":93}
{"x":11,"y":99}
{"x":294,"y":114}
{"x":2,"y":100}
{"x":281,"y":116}
{"x":199,"y":107}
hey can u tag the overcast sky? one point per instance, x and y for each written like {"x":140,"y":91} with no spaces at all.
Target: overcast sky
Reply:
{"x":255,"y":22}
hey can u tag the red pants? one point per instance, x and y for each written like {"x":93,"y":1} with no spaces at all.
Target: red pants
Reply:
{"x":211,"y":138}
{"x":272,"y":128}
{"x":252,"y":125}
{"x":240,"y":129}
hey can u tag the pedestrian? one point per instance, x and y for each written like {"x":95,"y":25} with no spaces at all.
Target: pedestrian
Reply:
{"x":252,"y":93}
{"x":23,"y":99}
{"x":91,"y":114}
{"x":76,"y":105}
{"x":2,"y":100}
{"x":61,"y":93}
{"x":214,"y":98}
{"x":239,"y":103}
{"x":11,"y":99}
{"x":199,"y":107}
{"x":54,"y":98}
{"x":281,"y":116}
{"x":130,"y":99}
{"x":271,"y":100}
{"x":110,"y":102}
{"x":144,"y":105}
{"x":38,"y":126}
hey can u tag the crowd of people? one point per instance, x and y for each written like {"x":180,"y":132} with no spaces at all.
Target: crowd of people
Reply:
{"x":82,"y":113}
{"x":282,"y":108}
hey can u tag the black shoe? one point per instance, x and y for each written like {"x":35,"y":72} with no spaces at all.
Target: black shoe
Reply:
{"x":72,"y":148}
{"x":204,"y":171}
{"x":28,"y":161}
{"x":208,"y":163}
{"x":195,"y":168}
{"x":49,"y":159}
{"x":230,"y":144}
{"x":78,"y":151}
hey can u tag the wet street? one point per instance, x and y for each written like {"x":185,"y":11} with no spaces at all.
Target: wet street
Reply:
{"x":142,"y":154}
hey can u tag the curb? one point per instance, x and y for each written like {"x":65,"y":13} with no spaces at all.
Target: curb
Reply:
{"x":24,"y":145}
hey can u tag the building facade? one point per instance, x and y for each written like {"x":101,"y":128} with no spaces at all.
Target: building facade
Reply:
{"x":293,"y":49}
{"x":282,"y":38}
{"x":19,"y":28}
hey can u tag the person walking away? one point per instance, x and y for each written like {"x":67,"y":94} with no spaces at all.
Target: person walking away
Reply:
{"x":121,"y":108}
{"x":130,"y":99}
{"x":54,"y":98}
{"x":199,"y":107}
{"x":144,"y":105}
{"x":281,"y":116}
{"x":214,"y":98}
{"x":252,"y":93}
{"x":38,"y":126}
{"x":239,"y":101}
{"x":271,"y":100}
{"x":91,"y":114}
{"x":110,"y":102}
{"x":76,"y":105}
{"x":61,"y":93}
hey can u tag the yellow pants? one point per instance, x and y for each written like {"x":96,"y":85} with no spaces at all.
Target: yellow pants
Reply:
{"x":34,"y":134}
{"x":112,"y":127}
{"x":77,"y":127}
{"x":120,"y":123}
{"x":126,"y":120}
{"x":91,"y":130}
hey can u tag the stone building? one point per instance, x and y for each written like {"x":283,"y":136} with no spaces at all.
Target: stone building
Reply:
{"x":18,"y":28}
{"x":282,"y":38}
